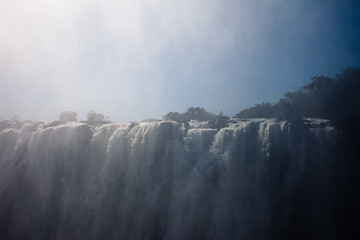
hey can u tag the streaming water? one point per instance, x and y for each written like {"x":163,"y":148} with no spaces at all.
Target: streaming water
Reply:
{"x":255,"y":179}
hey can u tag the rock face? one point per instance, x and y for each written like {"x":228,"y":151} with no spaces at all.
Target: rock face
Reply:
{"x":255,"y":179}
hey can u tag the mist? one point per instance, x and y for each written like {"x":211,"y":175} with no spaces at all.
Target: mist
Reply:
{"x":140,"y":59}
{"x":184,"y":119}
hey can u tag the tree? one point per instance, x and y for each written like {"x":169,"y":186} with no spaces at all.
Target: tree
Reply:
{"x":334,"y":99}
{"x":15,"y":118}
{"x":258,"y":111}
{"x":68,"y":116}
{"x":94,"y":117}
{"x":192,"y":113}
{"x":173,"y":116}
{"x":199,"y":114}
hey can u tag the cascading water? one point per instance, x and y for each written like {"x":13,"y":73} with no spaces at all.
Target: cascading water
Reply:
{"x":255,"y":179}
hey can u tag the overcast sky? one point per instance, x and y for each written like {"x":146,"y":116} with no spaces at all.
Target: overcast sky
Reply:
{"x":140,"y":59}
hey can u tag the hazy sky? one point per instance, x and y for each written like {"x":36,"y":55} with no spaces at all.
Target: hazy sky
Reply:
{"x":140,"y":59}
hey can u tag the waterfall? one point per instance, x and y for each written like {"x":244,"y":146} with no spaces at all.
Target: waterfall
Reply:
{"x":254,"y":179}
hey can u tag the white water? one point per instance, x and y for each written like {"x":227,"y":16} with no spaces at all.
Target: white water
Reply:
{"x":163,"y":180}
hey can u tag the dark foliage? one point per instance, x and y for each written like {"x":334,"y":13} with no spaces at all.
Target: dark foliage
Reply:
{"x":68,"y":116}
{"x":264,"y":110}
{"x":338,"y":100}
{"x":199,"y":114}
{"x":334,"y":99}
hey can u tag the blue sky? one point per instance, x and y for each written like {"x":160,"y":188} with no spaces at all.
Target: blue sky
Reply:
{"x":140,"y":59}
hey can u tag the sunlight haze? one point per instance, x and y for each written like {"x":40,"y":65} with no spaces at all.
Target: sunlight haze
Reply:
{"x":140,"y":59}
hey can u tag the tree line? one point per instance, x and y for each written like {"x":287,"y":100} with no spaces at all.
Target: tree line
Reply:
{"x":336,"y":99}
{"x":199,"y":114}
{"x":92,"y":117}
